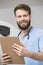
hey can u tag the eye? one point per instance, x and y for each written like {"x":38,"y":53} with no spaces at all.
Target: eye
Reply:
{"x":25,"y":15}
{"x":19,"y":16}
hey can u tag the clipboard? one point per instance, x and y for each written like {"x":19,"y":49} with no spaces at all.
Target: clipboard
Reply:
{"x":6,"y":44}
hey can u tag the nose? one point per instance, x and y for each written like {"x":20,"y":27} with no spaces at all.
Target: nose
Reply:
{"x":22,"y":17}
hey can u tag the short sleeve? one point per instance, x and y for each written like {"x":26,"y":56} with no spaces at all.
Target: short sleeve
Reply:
{"x":41,"y":42}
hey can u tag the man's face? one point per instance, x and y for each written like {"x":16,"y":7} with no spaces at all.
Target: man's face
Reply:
{"x":23,"y":19}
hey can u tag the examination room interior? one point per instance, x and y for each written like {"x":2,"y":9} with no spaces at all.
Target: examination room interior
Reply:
{"x":7,"y":13}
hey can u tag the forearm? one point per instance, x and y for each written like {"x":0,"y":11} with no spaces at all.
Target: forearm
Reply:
{"x":35,"y":55}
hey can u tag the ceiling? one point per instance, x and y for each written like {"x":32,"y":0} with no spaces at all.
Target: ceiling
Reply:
{"x":12,"y":3}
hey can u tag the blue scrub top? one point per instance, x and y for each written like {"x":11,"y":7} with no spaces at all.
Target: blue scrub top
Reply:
{"x":34,"y":43}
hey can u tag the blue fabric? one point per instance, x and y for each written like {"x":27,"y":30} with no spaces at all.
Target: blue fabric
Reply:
{"x":34,"y":44}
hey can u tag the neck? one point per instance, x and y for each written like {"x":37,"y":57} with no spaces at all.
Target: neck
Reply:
{"x":24,"y":32}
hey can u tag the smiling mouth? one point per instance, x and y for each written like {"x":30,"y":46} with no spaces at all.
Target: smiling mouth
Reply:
{"x":23,"y":22}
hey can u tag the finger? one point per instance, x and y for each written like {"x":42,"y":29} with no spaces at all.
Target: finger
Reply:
{"x":16,"y":51}
{"x":6,"y":61}
{"x":19,"y":54}
{"x":7,"y":57}
{"x":4,"y":54}
{"x":20,"y":44}
{"x":3,"y":63}
{"x":17,"y":46}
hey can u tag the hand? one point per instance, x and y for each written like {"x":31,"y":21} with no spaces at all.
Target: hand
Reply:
{"x":5,"y":58}
{"x":20,"y":50}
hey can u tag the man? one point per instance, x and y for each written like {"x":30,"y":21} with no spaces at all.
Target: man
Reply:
{"x":31,"y":38}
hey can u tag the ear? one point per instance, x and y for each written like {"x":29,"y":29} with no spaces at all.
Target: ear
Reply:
{"x":30,"y":17}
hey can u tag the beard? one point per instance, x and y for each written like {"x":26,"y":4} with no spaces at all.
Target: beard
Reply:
{"x":24,"y":27}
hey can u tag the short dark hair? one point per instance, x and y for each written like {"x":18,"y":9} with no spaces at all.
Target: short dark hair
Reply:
{"x":22,"y":7}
